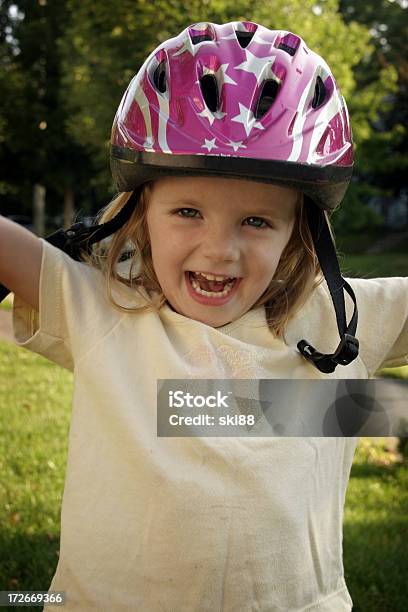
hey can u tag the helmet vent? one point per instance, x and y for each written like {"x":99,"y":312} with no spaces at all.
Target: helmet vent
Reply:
{"x":319,"y":94}
{"x":288,"y":43}
{"x":209,"y":88}
{"x":244,"y":38}
{"x":267,"y":98}
{"x":159,"y":77}
{"x":200,"y":32}
{"x":286,"y":48}
{"x":200,"y":38}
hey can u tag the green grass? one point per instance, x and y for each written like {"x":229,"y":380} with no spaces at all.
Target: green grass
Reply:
{"x":374,"y":266}
{"x":35,"y":406}
{"x":35,"y":397}
{"x":376,"y":530}
{"x":354,"y":262}
{"x":401,"y":372}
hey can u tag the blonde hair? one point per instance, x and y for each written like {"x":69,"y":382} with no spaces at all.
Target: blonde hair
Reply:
{"x":297,"y":275}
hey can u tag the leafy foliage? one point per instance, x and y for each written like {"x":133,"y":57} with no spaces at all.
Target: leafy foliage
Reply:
{"x":36,"y":147}
{"x":381,"y":109}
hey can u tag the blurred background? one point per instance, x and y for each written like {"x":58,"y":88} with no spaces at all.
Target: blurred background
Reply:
{"x":64,"y":66}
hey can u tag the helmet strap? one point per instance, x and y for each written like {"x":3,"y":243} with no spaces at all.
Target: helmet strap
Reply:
{"x":347,"y":350}
{"x":78,"y":238}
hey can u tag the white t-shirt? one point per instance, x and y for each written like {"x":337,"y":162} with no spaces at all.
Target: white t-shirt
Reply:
{"x":201,"y":524}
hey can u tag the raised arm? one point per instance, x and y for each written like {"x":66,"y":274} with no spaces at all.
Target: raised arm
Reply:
{"x":20,"y":261}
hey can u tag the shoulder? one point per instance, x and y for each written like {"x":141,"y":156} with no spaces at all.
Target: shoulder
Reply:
{"x":384,"y":289}
{"x":382,"y":305}
{"x":372,"y":294}
{"x":88,"y":280}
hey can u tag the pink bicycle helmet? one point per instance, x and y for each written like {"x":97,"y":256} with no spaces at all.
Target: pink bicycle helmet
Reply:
{"x":237,"y":100}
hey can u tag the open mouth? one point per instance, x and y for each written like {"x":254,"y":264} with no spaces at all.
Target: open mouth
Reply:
{"x":215,"y":287}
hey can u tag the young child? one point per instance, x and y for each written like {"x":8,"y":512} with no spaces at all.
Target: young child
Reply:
{"x":229,"y":148}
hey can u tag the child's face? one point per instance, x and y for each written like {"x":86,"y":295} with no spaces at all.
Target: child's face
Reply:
{"x":218,"y":226}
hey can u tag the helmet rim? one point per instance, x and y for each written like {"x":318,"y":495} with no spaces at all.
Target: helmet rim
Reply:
{"x":326,"y":185}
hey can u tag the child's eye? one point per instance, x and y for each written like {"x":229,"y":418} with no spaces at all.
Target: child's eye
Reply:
{"x":191,"y":213}
{"x":184,"y":212}
{"x":258,"y":222}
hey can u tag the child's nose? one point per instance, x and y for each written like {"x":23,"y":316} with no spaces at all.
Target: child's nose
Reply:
{"x":220,"y":244}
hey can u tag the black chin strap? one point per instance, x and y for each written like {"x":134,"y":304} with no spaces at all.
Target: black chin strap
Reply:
{"x":347,"y":350}
{"x":79,"y":238}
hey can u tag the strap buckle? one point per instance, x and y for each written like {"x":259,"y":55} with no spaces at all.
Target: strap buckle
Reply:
{"x":345,"y":353}
{"x":347,"y":350}
{"x":73,"y":240}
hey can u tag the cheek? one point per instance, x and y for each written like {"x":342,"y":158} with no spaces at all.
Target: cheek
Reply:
{"x":268,"y":255}
{"x":166,"y":239}
{"x":166,"y":256}
{"x":279,"y":244}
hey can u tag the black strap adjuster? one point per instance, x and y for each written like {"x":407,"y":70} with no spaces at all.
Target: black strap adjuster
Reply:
{"x":345,"y":353}
{"x":347,"y":350}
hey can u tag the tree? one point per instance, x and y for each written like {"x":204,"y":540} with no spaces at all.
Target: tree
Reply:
{"x":387,"y":21}
{"x":36,"y":148}
{"x":381,"y":109}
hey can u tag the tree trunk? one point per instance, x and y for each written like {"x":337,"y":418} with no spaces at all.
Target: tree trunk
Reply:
{"x":69,"y":209}
{"x":39,"y":209}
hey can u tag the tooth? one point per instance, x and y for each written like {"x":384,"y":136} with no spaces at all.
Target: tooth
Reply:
{"x":223,"y":293}
{"x":212,"y":277}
